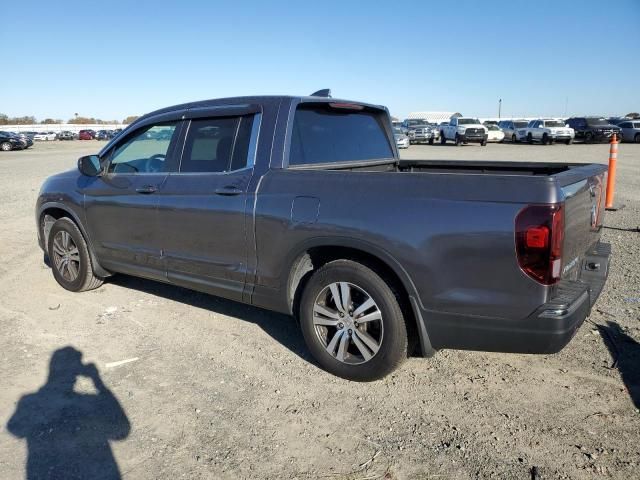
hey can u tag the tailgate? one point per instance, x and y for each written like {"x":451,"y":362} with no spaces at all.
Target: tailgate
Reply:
{"x":583,"y":191}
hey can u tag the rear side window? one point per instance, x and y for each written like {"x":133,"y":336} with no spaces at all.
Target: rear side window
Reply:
{"x":322,"y":134}
{"x":215,"y":145}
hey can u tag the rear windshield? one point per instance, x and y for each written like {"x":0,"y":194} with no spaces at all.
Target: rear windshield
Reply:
{"x":322,"y":134}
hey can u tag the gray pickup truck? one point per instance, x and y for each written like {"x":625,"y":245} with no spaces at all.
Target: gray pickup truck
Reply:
{"x":301,"y":205}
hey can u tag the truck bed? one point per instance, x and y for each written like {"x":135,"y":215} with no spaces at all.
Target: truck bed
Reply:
{"x":484,"y":167}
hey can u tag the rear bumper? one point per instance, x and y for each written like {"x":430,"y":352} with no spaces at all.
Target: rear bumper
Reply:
{"x":547,"y":330}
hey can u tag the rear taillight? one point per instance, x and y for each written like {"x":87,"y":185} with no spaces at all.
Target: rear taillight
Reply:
{"x":539,"y":238}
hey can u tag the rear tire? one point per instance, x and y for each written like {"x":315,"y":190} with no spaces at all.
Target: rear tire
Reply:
{"x":514,"y":139}
{"x":431,"y":141}
{"x":588,"y":137}
{"x":443,"y":140}
{"x":483,"y":143}
{"x":529,"y":139}
{"x":70,"y":258}
{"x":361,"y":351}
{"x":636,"y":139}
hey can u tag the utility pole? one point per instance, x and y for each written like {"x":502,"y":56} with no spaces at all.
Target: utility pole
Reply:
{"x":499,"y":108}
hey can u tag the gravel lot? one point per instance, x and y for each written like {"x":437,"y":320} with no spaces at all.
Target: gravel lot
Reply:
{"x":222,"y":390}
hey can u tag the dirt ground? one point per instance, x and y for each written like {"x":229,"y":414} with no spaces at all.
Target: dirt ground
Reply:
{"x":217,"y":390}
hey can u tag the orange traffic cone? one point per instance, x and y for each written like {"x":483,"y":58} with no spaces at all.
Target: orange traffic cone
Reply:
{"x":611,"y":176}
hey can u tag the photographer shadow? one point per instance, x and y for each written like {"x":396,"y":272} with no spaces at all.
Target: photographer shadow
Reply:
{"x":67,"y":432}
{"x":626,"y":354}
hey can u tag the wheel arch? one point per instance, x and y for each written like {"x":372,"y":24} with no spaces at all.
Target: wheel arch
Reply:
{"x":55,"y":211}
{"x":315,"y":253}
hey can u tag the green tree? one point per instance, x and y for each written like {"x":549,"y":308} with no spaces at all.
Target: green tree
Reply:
{"x":130,"y":119}
{"x":84,"y":120}
{"x":50,"y":121}
{"x":4,"y":119}
{"x":634,"y":115}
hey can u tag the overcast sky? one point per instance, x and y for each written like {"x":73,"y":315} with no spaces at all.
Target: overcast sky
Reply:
{"x":113,"y":59}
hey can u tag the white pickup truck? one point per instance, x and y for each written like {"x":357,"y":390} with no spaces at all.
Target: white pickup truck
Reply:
{"x":546,"y":131}
{"x":464,"y":130}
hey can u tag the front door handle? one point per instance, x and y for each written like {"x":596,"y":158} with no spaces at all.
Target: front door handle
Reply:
{"x":147,"y":189}
{"x":229,"y":190}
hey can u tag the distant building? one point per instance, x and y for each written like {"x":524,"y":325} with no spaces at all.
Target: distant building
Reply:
{"x":433,"y":117}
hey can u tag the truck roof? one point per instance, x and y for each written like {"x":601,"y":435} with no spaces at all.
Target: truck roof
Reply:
{"x":272,"y":100}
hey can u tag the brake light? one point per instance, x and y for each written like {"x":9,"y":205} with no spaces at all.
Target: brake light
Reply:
{"x":539,"y":236}
{"x":346,"y":106}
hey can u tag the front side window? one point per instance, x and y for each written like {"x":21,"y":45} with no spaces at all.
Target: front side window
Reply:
{"x":216,"y":145}
{"x":324,"y":134}
{"x":145,"y":151}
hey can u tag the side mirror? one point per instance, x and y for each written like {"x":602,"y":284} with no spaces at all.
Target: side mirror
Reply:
{"x":89,"y":165}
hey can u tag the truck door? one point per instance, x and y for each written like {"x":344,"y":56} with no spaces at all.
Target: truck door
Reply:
{"x":204,"y":209}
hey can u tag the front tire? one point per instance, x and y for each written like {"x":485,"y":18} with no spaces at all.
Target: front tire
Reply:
{"x":514,"y":139}
{"x":636,"y":139}
{"x":545,"y":139}
{"x":5,"y":147}
{"x":588,"y":137}
{"x":529,"y":139}
{"x":458,"y":141}
{"x":69,"y":257}
{"x":352,"y":322}
{"x":568,"y":142}
{"x":443,"y":140}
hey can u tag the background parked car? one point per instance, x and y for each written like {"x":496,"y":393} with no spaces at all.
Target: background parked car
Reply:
{"x":24,"y":137}
{"x":423,"y":134}
{"x":630,"y":130}
{"x":45,"y":136}
{"x":547,"y":131}
{"x":510,"y":128}
{"x":593,"y":129}
{"x":495,"y":134}
{"x":66,"y":135}
{"x":86,"y":135}
{"x":402,"y":141}
{"x":103,"y":135}
{"x":10,"y":141}
{"x":617,"y":120}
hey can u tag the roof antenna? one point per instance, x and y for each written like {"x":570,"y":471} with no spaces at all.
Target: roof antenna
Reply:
{"x":326,"y":92}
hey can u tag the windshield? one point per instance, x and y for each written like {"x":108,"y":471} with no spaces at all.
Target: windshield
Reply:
{"x":492,"y":127}
{"x":520,"y":124}
{"x":468,"y":121}
{"x":597,"y":121}
{"x":397,"y":131}
{"x":412,"y":123}
{"x":553,"y":123}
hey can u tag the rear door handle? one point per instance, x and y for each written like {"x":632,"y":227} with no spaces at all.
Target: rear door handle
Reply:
{"x":147,"y":189}
{"x":229,"y":190}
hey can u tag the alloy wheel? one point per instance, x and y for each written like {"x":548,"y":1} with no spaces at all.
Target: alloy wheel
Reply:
{"x":66,"y":256}
{"x":348,"y":323}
